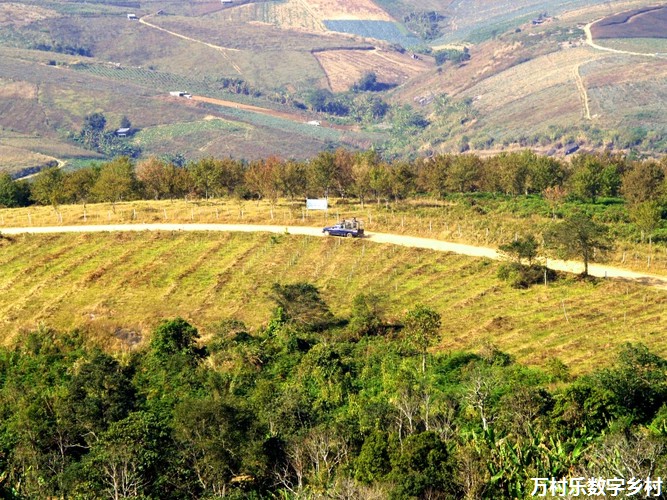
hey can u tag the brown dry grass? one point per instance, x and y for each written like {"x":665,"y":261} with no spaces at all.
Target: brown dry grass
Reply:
{"x":112,"y":284}
{"x":13,"y":159}
{"x":17,"y":90}
{"x":344,"y":67}
{"x":19,"y":15}
{"x":640,"y":23}
{"x":363,"y":10}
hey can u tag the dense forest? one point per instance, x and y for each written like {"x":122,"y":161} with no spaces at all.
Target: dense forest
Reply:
{"x":314,"y":405}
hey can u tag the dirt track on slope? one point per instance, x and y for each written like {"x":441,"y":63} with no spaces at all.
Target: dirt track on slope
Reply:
{"x":263,"y":111}
{"x":597,"y":270}
{"x":590,"y":42}
{"x":222,"y":50}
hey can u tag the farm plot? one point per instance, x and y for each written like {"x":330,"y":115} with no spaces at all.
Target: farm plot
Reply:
{"x":640,"y":23}
{"x":479,"y":20}
{"x":638,"y":45}
{"x":193,"y":135}
{"x":292,"y":14}
{"x":530,"y":77}
{"x":13,"y":160}
{"x":362,"y":10}
{"x":19,"y":15}
{"x":627,"y":92}
{"x":265,"y":55}
{"x":389,"y":31}
{"x":344,"y":67}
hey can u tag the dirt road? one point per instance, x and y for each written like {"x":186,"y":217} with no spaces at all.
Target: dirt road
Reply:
{"x":262,"y":111}
{"x":590,"y":42}
{"x":222,"y":50}
{"x":392,"y":239}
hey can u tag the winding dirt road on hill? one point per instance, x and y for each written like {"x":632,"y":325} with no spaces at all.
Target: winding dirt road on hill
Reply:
{"x":220,"y":49}
{"x":590,"y":42}
{"x":600,"y":271}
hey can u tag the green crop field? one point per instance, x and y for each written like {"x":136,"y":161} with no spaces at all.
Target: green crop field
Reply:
{"x":108,"y":283}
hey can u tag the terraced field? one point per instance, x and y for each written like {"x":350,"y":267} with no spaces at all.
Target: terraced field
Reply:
{"x":345,"y":67}
{"x":118,"y":283}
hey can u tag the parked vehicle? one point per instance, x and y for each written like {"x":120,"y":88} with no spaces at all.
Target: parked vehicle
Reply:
{"x":350,"y":228}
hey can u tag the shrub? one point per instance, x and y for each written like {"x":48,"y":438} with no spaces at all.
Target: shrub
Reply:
{"x":520,"y":276}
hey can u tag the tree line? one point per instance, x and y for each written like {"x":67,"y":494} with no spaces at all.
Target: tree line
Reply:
{"x":364,"y":176}
{"x":314,"y":405}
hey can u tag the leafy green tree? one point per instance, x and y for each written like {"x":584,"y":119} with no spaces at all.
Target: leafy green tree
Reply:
{"x":367,"y":312}
{"x":204,"y":176}
{"x":292,"y":178}
{"x":402,"y":178}
{"x":433,"y":175}
{"x":521,"y":249}
{"x":367,"y":82}
{"x":379,"y":180}
{"x":98,"y":394}
{"x":117,"y":181}
{"x":129,"y":458}
{"x":464,"y":173}
{"x":125,"y":122}
{"x":455,"y":55}
{"x":78,"y":185}
{"x":421,"y":465}
{"x":422,"y":326}
{"x":95,"y":122}
{"x":647,"y":216}
{"x":361,"y":174}
{"x":578,"y":236}
{"x":643,"y":182}
{"x":372,"y":464}
{"x":595,"y":176}
{"x":12,"y":194}
{"x":263,"y":178}
{"x":49,"y":188}
{"x":544,"y":172}
{"x":513,"y":170}
{"x":323,"y":172}
{"x":210,"y":436}
{"x":93,"y":130}
{"x":638,"y":382}
{"x":175,"y":336}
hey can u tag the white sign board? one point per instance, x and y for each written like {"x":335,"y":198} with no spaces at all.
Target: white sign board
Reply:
{"x":317,"y":204}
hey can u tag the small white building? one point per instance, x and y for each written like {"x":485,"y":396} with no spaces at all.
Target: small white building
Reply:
{"x":132,"y":17}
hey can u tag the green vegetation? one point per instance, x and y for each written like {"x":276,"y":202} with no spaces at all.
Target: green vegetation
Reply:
{"x":289,"y":411}
{"x":456,"y":56}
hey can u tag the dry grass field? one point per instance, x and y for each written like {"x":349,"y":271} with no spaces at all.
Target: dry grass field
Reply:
{"x":361,"y":10}
{"x":118,"y":286}
{"x":345,"y":67}
{"x":426,"y":218}
{"x":21,"y":15}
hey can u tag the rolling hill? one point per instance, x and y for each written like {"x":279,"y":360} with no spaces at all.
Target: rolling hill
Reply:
{"x":119,"y":286}
{"x":539,"y":84}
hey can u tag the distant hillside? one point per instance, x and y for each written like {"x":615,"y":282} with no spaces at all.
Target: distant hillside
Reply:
{"x":530,"y":79}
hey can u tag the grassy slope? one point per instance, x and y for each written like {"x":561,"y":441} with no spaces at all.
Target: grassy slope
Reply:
{"x":57,"y":97}
{"x":109,"y":282}
{"x":479,"y":222}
